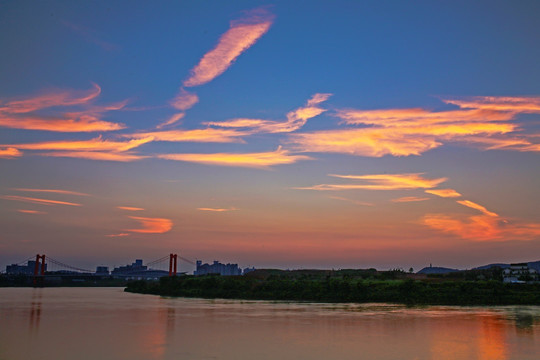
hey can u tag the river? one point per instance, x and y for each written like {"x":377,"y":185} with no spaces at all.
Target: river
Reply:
{"x":106,"y":323}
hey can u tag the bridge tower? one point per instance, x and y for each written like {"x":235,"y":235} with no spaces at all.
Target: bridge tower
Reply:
{"x":39,"y":268}
{"x":173,"y":261}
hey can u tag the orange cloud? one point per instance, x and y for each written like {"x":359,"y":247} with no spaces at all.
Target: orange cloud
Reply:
{"x":37,"y":201}
{"x":9,"y":153}
{"x":445,"y":193}
{"x":184,"y":100}
{"x":118,"y":235}
{"x":97,"y":155}
{"x":242,"y":34}
{"x":55,"y":191}
{"x":476,"y":206}
{"x":196,"y":135}
{"x":129,"y":208}
{"x":482,"y":227}
{"x":31,"y":211}
{"x":173,"y":119}
{"x":58,"y":98}
{"x":151,"y":225}
{"x":295,"y":119}
{"x":409,"y":199}
{"x":255,"y":160}
{"x":96,"y":144}
{"x":380,"y":182}
{"x":514,"y":143}
{"x":85,"y":121}
{"x":216,"y":209}
{"x":519,"y":104}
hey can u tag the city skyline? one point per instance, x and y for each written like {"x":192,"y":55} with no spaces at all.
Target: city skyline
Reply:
{"x":304,"y":135}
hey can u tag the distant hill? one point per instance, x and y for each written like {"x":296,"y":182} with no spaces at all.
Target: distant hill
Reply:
{"x":532,"y":264}
{"x":436,"y":270}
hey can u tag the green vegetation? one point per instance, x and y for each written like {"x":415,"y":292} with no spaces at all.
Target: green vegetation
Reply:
{"x":359,"y":286}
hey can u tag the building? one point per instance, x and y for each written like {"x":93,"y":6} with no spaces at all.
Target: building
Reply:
{"x":248,"y":270}
{"x":102,"y":270}
{"x":217,"y":268}
{"x":27,"y":269}
{"x":137,"y":271}
{"x":519,"y":273}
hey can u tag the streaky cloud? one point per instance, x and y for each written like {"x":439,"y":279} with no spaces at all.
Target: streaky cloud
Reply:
{"x":51,"y":99}
{"x":95,"y":144}
{"x":129,"y":208}
{"x":409,"y":199}
{"x":195,"y":135}
{"x":118,"y":235}
{"x":172,"y":120}
{"x":151,"y":225}
{"x":361,"y":203}
{"x":55,"y":191}
{"x":243,"y":33}
{"x":10,"y":153}
{"x":478,"y":207}
{"x":517,"y":104}
{"x":37,"y":200}
{"x":406,"y":181}
{"x":253,"y":160}
{"x":31,"y":211}
{"x":482,"y":227}
{"x":296,"y":119}
{"x":184,"y":100}
{"x":97,"y":155}
{"x":217,"y":209}
{"x":445,"y":193}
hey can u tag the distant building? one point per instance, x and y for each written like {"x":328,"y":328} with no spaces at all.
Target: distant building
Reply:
{"x":519,"y":273}
{"x":248,"y":270}
{"x":217,"y":268}
{"x":27,"y":269}
{"x":137,"y":271}
{"x":102,"y":270}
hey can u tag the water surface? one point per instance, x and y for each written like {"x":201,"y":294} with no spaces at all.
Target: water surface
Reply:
{"x":106,"y":323}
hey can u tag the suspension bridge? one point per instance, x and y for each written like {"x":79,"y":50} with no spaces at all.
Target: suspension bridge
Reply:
{"x":41,"y":267}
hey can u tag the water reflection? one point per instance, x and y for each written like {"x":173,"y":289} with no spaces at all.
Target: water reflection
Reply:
{"x":131,"y":326}
{"x":35,"y":310}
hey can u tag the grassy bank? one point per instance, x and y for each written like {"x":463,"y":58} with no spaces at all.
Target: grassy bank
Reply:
{"x":344,"y":288}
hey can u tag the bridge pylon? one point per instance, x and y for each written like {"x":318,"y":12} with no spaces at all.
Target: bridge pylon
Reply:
{"x":173,"y":261}
{"x":39,"y":268}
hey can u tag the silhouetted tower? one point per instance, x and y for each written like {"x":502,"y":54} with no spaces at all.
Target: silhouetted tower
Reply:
{"x":173,"y":261}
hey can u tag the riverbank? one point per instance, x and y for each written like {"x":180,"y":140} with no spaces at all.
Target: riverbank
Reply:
{"x":344,"y":288}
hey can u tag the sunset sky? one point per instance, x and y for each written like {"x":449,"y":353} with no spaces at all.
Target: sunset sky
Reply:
{"x":305,"y":134}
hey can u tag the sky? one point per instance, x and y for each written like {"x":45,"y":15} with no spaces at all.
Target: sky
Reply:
{"x":306,"y":134}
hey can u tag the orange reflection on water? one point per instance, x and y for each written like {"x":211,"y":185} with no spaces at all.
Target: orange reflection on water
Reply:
{"x":452,"y":339}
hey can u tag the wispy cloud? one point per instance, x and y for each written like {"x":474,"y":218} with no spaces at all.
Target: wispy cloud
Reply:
{"x":380,"y":182}
{"x":520,"y":104}
{"x":184,"y":100}
{"x":129,"y":208}
{"x":217,"y":209}
{"x":445,"y":193}
{"x":486,"y":121}
{"x":98,"y":144}
{"x":295,"y":119}
{"x":409,"y":199}
{"x":243,"y":33}
{"x":482,"y":227}
{"x":152,"y":225}
{"x":356,"y":202}
{"x":50,"y":99}
{"x":31,"y":211}
{"x":172,"y":120}
{"x":10,"y":153}
{"x":195,"y":135}
{"x":19,"y":114}
{"x":37,"y":200}
{"x":118,"y":235}
{"x":478,"y":207}
{"x":254,"y":160}
{"x":55,"y":191}
{"x":97,"y":155}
